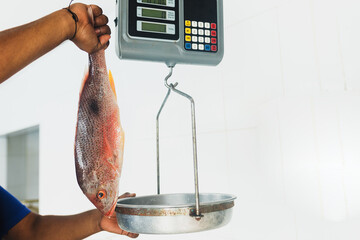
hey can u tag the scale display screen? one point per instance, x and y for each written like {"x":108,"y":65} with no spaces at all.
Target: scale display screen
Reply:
{"x":170,"y":3}
{"x":153,"y":13}
{"x":162,"y":28}
{"x":150,"y":19}
{"x":151,"y":27}
{"x":160,"y":2}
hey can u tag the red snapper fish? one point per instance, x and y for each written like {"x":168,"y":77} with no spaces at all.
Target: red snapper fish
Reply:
{"x":99,"y":141}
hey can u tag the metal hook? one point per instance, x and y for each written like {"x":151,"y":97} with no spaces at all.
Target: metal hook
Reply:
{"x":172,"y":87}
{"x":167,"y":78}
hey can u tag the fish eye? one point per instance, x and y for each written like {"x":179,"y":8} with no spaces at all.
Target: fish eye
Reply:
{"x":101,"y":194}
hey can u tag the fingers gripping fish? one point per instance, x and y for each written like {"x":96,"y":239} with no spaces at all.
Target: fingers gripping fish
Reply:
{"x":99,"y":141}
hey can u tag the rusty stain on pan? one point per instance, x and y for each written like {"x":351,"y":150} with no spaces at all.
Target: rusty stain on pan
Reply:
{"x":173,"y":211}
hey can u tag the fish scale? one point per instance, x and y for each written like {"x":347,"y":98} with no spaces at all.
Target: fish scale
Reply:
{"x":99,"y":141}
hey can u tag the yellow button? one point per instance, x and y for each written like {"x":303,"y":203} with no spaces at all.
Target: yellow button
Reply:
{"x":187,"y":23}
{"x":188,"y":38}
{"x":188,"y":30}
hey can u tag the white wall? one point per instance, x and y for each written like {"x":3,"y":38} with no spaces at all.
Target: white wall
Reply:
{"x":278,"y":119}
{"x":3,"y":161}
{"x":22,"y":171}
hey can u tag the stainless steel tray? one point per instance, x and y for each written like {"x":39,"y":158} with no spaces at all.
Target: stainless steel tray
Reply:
{"x":174,"y":213}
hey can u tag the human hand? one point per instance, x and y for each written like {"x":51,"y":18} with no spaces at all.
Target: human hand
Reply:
{"x":111,"y":225}
{"x":93,"y":33}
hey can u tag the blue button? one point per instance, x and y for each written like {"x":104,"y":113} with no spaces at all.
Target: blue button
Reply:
{"x":188,"y":46}
{"x":207,"y":47}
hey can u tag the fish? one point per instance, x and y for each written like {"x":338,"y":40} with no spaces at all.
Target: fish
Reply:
{"x":99,"y":138}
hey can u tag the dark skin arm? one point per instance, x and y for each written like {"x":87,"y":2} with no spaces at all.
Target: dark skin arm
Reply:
{"x":73,"y":227}
{"x":22,"y":45}
{"x":19,"y":47}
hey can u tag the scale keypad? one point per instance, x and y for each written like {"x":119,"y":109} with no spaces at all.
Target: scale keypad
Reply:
{"x":200,"y":36}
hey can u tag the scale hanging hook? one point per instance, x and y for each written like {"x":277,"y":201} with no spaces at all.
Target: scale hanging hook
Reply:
{"x":171,"y":85}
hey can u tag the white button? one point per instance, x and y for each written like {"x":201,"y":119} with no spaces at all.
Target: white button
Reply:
{"x":201,"y":32}
{"x":194,"y":23}
{"x":201,"y":46}
{"x":194,"y":31}
{"x":171,"y":15}
{"x":194,"y":38}
{"x":171,"y":3}
{"x":207,"y":25}
{"x":201,"y":39}
{"x":207,"y":32}
{"x":171,"y":28}
{"x":201,"y":24}
{"x":194,"y":46}
{"x":207,"y":40}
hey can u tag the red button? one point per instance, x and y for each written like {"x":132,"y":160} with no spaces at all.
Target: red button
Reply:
{"x":213,"y":33}
{"x":213,"y":26}
{"x":213,"y":48}
{"x":213,"y":40}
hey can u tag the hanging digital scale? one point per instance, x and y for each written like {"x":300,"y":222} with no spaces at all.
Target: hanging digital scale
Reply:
{"x":170,"y":31}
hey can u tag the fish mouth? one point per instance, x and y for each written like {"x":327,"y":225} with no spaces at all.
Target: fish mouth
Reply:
{"x":108,"y":213}
{"x":111,"y":211}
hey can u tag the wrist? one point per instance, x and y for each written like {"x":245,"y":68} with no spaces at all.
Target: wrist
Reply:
{"x":97,"y":217}
{"x":69,"y":24}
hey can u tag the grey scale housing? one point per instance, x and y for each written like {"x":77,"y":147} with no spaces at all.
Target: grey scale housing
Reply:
{"x":168,"y":51}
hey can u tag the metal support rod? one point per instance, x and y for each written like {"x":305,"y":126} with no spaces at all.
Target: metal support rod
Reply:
{"x":197,"y":200}
{"x":172,"y":87}
{"x":157,"y":133}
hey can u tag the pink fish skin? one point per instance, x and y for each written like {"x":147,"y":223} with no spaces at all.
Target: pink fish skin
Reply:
{"x":99,"y":140}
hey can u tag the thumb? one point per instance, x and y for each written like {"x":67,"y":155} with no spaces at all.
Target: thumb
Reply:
{"x":104,"y":39}
{"x":103,"y":42}
{"x":91,"y":15}
{"x":127,"y":195}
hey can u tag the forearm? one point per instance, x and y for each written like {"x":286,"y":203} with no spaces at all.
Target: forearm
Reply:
{"x":21,"y":45}
{"x":71,"y":227}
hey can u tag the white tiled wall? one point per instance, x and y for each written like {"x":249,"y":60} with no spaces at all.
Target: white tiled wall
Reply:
{"x":278,"y":120}
{"x":16,"y":170}
{"x":22,"y":160}
{"x":3,"y":161}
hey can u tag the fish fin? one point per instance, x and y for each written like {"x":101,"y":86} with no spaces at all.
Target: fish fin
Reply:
{"x":112,"y":84}
{"x":85,"y":78}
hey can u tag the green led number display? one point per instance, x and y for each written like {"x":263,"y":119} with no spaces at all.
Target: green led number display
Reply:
{"x":153,"y":27}
{"x":160,"y":2}
{"x":153,"y":13}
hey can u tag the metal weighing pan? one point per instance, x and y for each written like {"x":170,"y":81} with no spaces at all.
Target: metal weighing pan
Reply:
{"x":174,"y":213}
